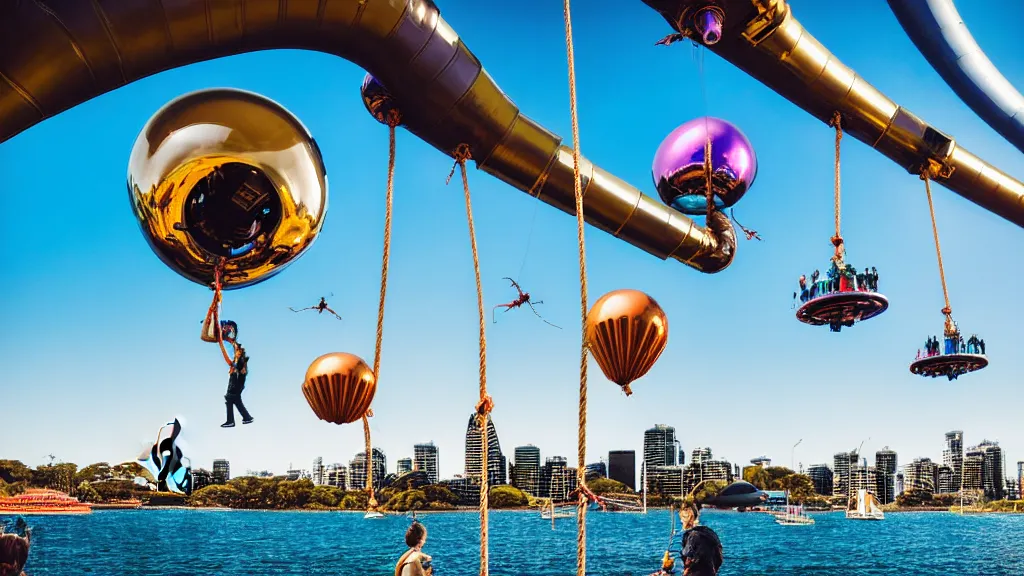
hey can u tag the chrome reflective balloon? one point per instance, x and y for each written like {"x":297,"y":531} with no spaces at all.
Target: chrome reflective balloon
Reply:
{"x":678,"y":169}
{"x":230,"y":176}
{"x":379,"y":102}
{"x":626,"y":332}
{"x":339,"y":387}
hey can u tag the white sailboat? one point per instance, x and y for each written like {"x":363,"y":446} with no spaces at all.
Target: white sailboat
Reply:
{"x":793,"y":515}
{"x":867,"y":507}
{"x":372,"y":515}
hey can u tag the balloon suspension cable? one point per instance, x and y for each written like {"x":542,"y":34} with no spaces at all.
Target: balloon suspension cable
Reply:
{"x":393,"y":120}
{"x":581,"y":452}
{"x":950,"y":326}
{"x":749,"y":232}
{"x":218,"y":287}
{"x":837,"y":240}
{"x":486,"y":404}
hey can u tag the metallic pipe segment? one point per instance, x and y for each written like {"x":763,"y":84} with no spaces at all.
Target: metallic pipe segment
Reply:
{"x":56,"y":54}
{"x":943,"y":39}
{"x":764,"y":39}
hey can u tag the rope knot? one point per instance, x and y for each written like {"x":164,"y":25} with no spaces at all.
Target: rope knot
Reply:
{"x":461,"y":154}
{"x":836,"y":121}
{"x":484,"y":407}
{"x":947,"y":311}
{"x":585,"y":495}
{"x":369,"y":412}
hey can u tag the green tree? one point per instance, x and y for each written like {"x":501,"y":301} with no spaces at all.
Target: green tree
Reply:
{"x":216,"y":495}
{"x":505,"y":496}
{"x":440,"y":494}
{"x":114,"y":489}
{"x":354,"y":500}
{"x":256,"y":493}
{"x":328,"y":496}
{"x":293,"y":493}
{"x":12,"y":471}
{"x":92,"y":473}
{"x":758,"y":476}
{"x":800,"y":486}
{"x":407,"y":500}
{"x":608,"y":486}
{"x":86,"y":493}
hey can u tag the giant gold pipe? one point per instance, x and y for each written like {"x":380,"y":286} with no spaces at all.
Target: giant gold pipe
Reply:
{"x":56,"y":54}
{"x":765,"y":40}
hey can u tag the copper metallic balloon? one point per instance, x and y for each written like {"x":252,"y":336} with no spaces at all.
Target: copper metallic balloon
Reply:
{"x":227,"y":175}
{"x":379,"y":102}
{"x":626,"y":332}
{"x":339,"y":387}
{"x":679,"y":173}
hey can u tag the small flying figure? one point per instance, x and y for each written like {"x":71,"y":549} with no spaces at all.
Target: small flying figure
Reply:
{"x":523,"y":298}
{"x":320,"y":308}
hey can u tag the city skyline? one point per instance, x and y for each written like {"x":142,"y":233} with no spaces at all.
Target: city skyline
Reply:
{"x":100,"y":341}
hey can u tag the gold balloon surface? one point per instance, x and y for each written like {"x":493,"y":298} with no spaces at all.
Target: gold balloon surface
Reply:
{"x":230,"y":176}
{"x":626,"y":332}
{"x":339,"y":387}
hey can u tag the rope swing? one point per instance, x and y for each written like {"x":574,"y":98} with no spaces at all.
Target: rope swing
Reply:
{"x":947,"y":311}
{"x":581,"y":480}
{"x":837,"y":240}
{"x":393,"y":120}
{"x":486,"y":403}
{"x":214,"y":312}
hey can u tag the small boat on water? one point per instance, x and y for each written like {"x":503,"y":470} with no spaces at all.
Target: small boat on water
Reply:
{"x":867,"y":508}
{"x":132,"y":504}
{"x":39,"y":501}
{"x":372,"y":515}
{"x":792,"y":515}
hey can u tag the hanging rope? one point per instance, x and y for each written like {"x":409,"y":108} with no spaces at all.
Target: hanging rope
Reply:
{"x":393,"y":121}
{"x":581,"y":451}
{"x":486,"y":403}
{"x":214,"y":311}
{"x":950,"y":327}
{"x":837,"y":240}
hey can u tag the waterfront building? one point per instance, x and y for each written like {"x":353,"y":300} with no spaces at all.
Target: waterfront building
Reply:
{"x":424,"y":457}
{"x":221,"y":471}
{"x":496,"y":463}
{"x":842,"y":462}
{"x":336,"y":475}
{"x":526,"y":471}
{"x":554,"y":478}
{"x":660,"y":446}
{"x":621,"y":467}
{"x":596,"y":470}
{"x":404,"y":465}
{"x":974,"y":461}
{"x":201,"y":478}
{"x":318,"y":471}
{"x":664,"y":480}
{"x":992,"y":470}
{"x":953,"y":456}
{"x":821,"y":477}
{"x":885,"y":475}
{"x":1020,"y":478}
{"x":357,"y":470}
{"x":921,"y":475}
{"x":900,"y":483}
{"x":762,"y":461}
{"x":700,"y":455}
{"x":863,"y":478}
{"x":1012,"y":489}
{"x":945,"y":482}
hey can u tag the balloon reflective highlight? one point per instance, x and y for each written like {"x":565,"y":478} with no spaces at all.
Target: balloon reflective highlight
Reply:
{"x":626,"y":332}
{"x":227,"y":176}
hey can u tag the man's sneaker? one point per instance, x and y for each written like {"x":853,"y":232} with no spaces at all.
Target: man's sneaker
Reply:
{"x":249,"y":421}
{"x":228,"y":425}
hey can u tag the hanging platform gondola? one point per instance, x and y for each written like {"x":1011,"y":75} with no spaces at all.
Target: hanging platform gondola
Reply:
{"x":949,"y":365}
{"x":839,"y":309}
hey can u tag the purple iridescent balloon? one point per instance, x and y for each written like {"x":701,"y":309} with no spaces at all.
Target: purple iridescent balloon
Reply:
{"x":379,"y":102}
{"x":678,"y":169}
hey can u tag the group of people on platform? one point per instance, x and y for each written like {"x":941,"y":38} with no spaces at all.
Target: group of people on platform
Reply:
{"x":952,"y":345}
{"x":837,"y":280}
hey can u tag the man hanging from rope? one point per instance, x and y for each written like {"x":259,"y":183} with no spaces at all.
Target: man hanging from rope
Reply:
{"x":320,"y":307}
{"x":236,"y":383}
{"x":523,"y":298}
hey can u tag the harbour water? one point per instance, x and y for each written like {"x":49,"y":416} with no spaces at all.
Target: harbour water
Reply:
{"x":237,"y":543}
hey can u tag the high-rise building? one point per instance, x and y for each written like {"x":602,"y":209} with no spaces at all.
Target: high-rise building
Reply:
{"x":700,"y":455}
{"x":404,"y":465}
{"x":201,"y":478}
{"x":496,"y":463}
{"x":762,"y":461}
{"x":596,"y":470}
{"x":945,"y":482}
{"x":821,"y":477}
{"x":921,"y":474}
{"x":1020,"y":478}
{"x":682,"y":456}
{"x":622,"y":467}
{"x":953,"y":456}
{"x":863,"y":478}
{"x":318,"y":471}
{"x":221,"y":471}
{"x":336,"y":475}
{"x":885,"y":475}
{"x":554,"y":479}
{"x":665,"y":480}
{"x":842,"y":463}
{"x":992,"y":470}
{"x":357,"y":470}
{"x":424,"y":457}
{"x":1012,"y":490}
{"x":660,"y":446}
{"x":526,"y":472}
{"x":900,"y":483}
{"x":974,"y":461}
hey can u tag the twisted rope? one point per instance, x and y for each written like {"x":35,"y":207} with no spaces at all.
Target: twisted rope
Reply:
{"x":218,"y":287}
{"x":393,"y":121}
{"x":947,"y":311}
{"x":486,"y":403}
{"x":581,"y":452}
{"x":837,"y":240}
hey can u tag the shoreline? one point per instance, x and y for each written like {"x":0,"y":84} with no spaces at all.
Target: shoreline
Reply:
{"x":473,"y":510}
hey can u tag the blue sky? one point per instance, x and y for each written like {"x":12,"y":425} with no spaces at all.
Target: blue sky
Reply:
{"x":100,"y":340}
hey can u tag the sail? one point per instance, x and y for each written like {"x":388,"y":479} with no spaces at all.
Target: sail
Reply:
{"x":873,"y":507}
{"x":862,"y":497}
